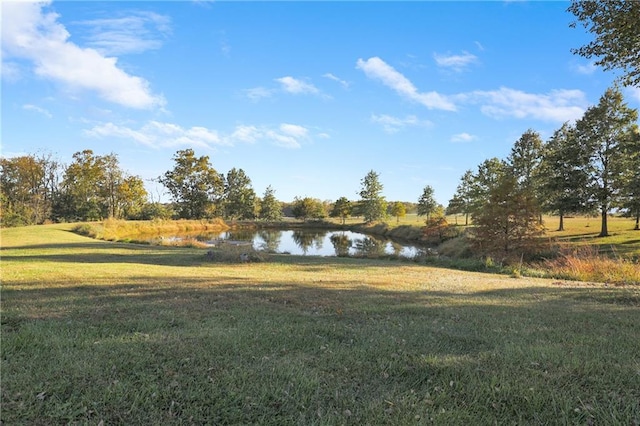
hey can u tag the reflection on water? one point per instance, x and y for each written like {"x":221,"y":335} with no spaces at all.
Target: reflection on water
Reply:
{"x":312,"y":242}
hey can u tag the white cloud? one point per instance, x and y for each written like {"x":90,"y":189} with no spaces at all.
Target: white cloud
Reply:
{"x":375,"y":68}
{"x":633,"y":92}
{"x":248,"y":134}
{"x":258,"y":93}
{"x":138,"y":32}
{"x":297,"y":87}
{"x":392,"y":124}
{"x":463,"y":137}
{"x":30,"y":32}
{"x":457,"y":63}
{"x":343,"y":83}
{"x":294,"y":130}
{"x":37,"y":109}
{"x":156,"y":134}
{"x":556,"y":106}
{"x":10,"y":71}
{"x":585,"y":69}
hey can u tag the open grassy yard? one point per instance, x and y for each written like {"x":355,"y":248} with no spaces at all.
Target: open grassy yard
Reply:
{"x":97,"y":332}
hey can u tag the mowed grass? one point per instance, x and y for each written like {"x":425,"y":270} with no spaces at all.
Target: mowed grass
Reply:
{"x":98,"y":332}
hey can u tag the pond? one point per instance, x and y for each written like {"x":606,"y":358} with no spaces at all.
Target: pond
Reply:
{"x":308,"y":242}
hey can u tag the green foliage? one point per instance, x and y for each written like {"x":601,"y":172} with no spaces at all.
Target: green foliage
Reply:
{"x":604,"y":131}
{"x":308,"y":208}
{"x":398,"y":210}
{"x":342,"y":208}
{"x":507,"y":225}
{"x":28,"y":186}
{"x":614,"y":23}
{"x":427,"y":203}
{"x":239,"y":199}
{"x":373,"y":205}
{"x":564,"y":175}
{"x":194,"y":185}
{"x":270,"y":207}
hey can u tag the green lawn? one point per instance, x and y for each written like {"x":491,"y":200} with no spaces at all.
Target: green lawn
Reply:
{"x":98,"y":332}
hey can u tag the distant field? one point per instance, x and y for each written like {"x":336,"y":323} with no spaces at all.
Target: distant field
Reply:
{"x":98,"y":332}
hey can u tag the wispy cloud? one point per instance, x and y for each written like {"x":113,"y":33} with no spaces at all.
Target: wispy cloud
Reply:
{"x":157,"y":134}
{"x":633,"y":92}
{"x":137,"y":32}
{"x":392,"y":124}
{"x":555,"y":106}
{"x":585,"y":69}
{"x":258,"y":93}
{"x":30,"y":107}
{"x":31,"y":32}
{"x":463,"y":137}
{"x":456,"y":63}
{"x":376,"y":69}
{"x":296,"y":86}
{"x":343,"y":83}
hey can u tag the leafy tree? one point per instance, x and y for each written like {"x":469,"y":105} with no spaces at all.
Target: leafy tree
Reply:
{"x":373,"y":205}
{"x":83,"y":188}
{"x":426,"y":203}
{"x":489,"y":173}
{"x":525,"y":158}
{"x":239,"y":196}
{"x":270,"y":207}
{"x":308,"y":208}
{"x":506,"y":225}
{"x":28,"y":185}
{"x":563,"y":175}
{"x":462,"y":200}
{"x":614,"y":23}
{"x":342,"y":208}
{"x":398,"y":210}
{"x":132,"y":197}
{"x":604,"y":131}
{"x":524,"y":163}
{"x":194,"y":185}
{"x":631,"y":177}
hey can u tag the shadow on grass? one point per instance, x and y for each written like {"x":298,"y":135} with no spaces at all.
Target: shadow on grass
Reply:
{"x":237,"y":352}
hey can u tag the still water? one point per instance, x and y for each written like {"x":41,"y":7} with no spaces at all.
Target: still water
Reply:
{"x":309,"y":242}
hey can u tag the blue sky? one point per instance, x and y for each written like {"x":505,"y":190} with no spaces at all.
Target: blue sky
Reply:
{"x":304,"y":96}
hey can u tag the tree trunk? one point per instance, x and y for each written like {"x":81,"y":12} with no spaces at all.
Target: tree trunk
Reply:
{"x":604,"y":231}
{"x":466,"y":219}
{"x":561,"y":226}
{"x":637,"y":228}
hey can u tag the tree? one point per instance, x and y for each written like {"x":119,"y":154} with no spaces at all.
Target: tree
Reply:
{"x":462,"y":199}
{"x":631,"y":177}
{"x":426,"y":203}
{"x":373,"y":205}
{"x":614,"y":23}
{"x":193,"y":184}
{"x":563,"y":175}
{"x":398,"y":210}
{"x":83,"y":188}
{"x":506,"y":225}
{"x":308,"y":208}
{"x":132,"y":197}
{"x":489,"y":173}
{"x":28,"y":185}
{"x":270,"y":207}
{"x":604,"y":131}
{"x":342,"y":208}
{"x":239,"y":196}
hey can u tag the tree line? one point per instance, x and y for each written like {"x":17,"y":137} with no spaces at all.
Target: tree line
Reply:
{"x":589,"y":167}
